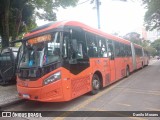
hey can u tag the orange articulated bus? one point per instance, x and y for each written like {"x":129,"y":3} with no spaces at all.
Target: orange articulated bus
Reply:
{"x":140,"y":56}
{"x":63,"y":60}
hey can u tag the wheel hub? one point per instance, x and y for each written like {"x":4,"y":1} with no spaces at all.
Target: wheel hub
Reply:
{"x":95,"y":84}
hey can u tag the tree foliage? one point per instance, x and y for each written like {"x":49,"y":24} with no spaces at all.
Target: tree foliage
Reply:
{"x":17,"y":16}
{"x":156,"y":45}
{"x":134,"y":37}
{"x":152,"y":15}
{"x":146,"y":43}
{"x":20,"y":18}
{"x":148,"y":47}
{"x":151,"y":50}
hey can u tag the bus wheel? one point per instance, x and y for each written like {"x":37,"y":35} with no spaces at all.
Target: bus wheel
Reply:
{"x":95,"y":84}
{"x":127,"y":71}
{"x":142,"y":66}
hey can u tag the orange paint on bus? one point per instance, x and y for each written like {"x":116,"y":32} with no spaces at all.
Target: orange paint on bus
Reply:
{"x":70,"y":85}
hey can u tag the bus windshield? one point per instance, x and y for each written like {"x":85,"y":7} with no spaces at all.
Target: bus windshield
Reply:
{"x":40,"y":51}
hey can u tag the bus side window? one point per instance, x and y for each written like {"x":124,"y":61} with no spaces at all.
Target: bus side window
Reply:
{"x":117,"y":49}
{"x":102,"y":47}
{"x":81,"y":51}
{"x":110,"y":51}
{"x":138,"y":51}
{"x":128,"y":51}
{"x":92,"y":46}
{"x":122,"y":50}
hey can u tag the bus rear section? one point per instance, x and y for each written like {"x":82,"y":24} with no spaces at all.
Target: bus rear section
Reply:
{"x":140,"y":56}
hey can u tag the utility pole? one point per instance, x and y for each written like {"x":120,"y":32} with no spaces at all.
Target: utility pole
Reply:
{"x":98,"y":13}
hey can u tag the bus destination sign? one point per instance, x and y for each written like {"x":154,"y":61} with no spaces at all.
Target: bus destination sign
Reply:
{"x":40,"y":39}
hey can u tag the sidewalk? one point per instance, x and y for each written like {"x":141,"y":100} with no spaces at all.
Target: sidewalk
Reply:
{"x":8,"y":95}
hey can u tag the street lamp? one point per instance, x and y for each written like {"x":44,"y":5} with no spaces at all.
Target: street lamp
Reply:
{"x":98,"y":13}
{"x":98,"y":3}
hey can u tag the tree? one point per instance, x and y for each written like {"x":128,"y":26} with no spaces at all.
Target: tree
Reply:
{"x":146,"y":43}
{"x":152,"y":15}
{"x":17,"y":14}
{"x":148,"y":47}
{"x":4,"y":26}
{"x":20,"y":18}
{"x":156,"y":45}
{"x":134,"y":37}
{"x":151,"y":50}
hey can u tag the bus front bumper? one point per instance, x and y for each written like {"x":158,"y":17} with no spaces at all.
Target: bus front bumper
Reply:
{"x":48,"y":93}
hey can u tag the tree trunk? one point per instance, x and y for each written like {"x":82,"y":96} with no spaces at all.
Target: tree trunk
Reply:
{"x":17,"y":21}
{"x":17,"y":25}
{"x":5,"y":23}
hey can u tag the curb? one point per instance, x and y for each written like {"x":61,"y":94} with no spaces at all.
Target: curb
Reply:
{"x":9,"y":104}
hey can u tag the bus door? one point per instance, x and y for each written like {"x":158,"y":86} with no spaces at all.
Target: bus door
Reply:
{"x":103,"y":64}
{"x":79,"y":64}
{"x":111,"y":61}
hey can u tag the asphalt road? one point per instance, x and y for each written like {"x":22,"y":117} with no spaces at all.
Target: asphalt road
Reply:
{"x":139,"y":92}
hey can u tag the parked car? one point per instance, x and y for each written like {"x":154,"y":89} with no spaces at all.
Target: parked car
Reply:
{"x":8,"y":63}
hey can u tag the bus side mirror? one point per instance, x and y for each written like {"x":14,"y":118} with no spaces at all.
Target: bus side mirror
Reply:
{"x":73,"y":51}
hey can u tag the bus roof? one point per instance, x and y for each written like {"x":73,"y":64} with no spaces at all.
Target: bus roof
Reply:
{"x":136,"y":45}
{"x":53,"y":25}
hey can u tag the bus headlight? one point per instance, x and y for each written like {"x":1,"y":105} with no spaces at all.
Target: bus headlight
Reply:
{"x":56,"y":76}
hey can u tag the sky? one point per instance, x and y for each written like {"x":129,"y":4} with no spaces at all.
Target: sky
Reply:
{"x":115,"y":16}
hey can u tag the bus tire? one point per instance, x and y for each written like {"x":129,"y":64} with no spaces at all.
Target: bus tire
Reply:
{"x":95,"y":84}
{"x":142,"y":66}
{"x":127,"y":72}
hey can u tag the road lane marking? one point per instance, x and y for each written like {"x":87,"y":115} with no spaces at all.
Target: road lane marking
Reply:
{"x":152,"y":92}
{"x":143,"y":90}
{"x":143,"y":93}
{"x":124,"y":104}
{"x":83,"y":104}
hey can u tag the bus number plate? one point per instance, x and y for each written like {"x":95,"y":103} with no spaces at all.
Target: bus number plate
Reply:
{"x":26,"y":96}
